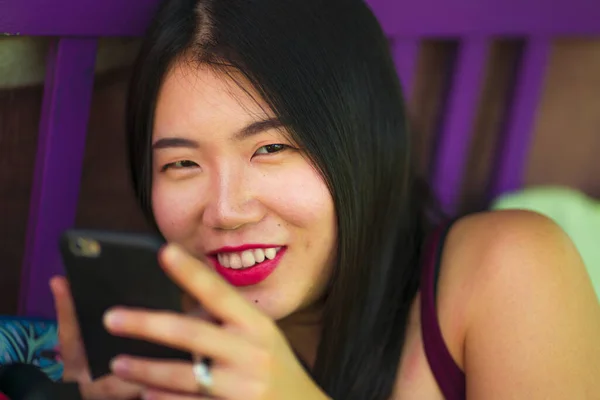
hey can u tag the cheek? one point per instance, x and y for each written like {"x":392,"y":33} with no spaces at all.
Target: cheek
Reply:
{"x":301,"y":199}
{"x":173,"y":210}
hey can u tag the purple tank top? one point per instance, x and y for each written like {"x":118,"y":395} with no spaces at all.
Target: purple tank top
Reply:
{"x":449,"y":376}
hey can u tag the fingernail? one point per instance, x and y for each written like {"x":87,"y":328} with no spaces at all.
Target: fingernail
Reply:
{"x":119,"y":365}
{"x":113,"y":319}
{"x":173,"y":254}
{"x":54,"y":287}
{"x":148,"y":396}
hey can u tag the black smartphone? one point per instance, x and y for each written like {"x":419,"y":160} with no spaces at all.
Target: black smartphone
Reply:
{"x":107,"y":269}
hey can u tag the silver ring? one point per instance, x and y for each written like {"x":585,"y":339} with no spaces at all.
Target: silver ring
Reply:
{"x":203,"y":375}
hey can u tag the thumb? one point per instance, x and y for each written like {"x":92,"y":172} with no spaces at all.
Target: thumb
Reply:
{"x":72,"y":351}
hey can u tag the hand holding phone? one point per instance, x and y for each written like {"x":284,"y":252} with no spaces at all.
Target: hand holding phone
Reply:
{"x":74,"y":358}
{"x":108,"y":269}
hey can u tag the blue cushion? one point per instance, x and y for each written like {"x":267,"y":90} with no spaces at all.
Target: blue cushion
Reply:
{"x":30,"y":340}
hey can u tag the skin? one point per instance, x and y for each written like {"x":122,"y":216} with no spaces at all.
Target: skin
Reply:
{"x":516,"y":307}
{"x":517,"y":311}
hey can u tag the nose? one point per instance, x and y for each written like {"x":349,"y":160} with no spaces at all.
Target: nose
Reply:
{"x":232,"y":202}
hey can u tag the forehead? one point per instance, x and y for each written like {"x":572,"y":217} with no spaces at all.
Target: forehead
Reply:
{"x":196,"y":95}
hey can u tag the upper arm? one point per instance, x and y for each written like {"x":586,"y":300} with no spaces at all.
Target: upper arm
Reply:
{"x":533,"y":330}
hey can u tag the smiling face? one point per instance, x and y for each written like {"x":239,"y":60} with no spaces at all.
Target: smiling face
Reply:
{"x":229,"y":184}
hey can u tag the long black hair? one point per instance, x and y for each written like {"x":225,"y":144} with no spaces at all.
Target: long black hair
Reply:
{"x":324,"y":68}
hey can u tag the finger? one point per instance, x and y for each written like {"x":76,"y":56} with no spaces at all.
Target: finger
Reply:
{"x":72,"y":351}
{"x":175,"y":376}
{"x":218,"y":297}
{"x":184,"y":333}
{"x":111,"y":387}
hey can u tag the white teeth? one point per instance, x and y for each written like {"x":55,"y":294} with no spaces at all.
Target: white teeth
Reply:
{"x":270,"y":253}
{"x":246,"y":259}
{"x":223,"y":260}
{"x":235,"y":261}
{"x":259,"y":255}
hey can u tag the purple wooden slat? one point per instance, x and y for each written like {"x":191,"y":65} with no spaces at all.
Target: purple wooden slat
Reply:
{"x":459,"y":18}
{"x":59,"y":160}
{"x":406,"y":56}
{"x":424,"y":18}
{"x":454,"y":137}
{"x":514,"y":148}
{"x":76,"y":17}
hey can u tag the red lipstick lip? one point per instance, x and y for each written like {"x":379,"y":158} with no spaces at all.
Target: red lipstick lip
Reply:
{"x":238,"y":249}
{"x":248,"y":276}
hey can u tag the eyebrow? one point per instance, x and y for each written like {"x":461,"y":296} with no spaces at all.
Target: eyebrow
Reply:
{"x":246,"y":132}
{"x":258,"y":127}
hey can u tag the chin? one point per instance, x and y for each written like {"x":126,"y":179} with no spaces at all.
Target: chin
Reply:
{"x":270,"y":301}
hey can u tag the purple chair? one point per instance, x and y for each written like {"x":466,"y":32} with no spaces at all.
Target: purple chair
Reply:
{"x":473,"y":23}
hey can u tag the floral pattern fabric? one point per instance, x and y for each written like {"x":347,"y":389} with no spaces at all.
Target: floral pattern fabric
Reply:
{"x":32,"y":341}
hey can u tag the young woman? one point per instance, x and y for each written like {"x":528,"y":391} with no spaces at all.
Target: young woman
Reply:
{"x":269,"y":146}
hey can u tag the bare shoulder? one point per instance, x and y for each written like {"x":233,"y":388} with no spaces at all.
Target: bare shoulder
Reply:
{"x":528,"y":320}
{"x":512,"y":249}
{"x":499,"y":241}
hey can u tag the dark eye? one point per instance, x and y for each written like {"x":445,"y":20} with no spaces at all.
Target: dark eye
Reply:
{"x":180,"y":165}
{"x":271,"y":148}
